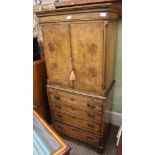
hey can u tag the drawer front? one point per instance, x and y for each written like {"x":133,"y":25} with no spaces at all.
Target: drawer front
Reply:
{"x":70,"y":109}
{"x":76,"y":100}
{"x":77,"y":122}
{"x":77,"y":133}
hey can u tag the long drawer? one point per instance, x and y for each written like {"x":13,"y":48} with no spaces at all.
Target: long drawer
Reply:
{"x":75,"y":99}
{"x":77,"y":122}
{"x":77,"y":133}
{"x":71,"y":109}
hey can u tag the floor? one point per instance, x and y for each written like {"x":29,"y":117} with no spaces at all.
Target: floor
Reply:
{"x":80,"y":148}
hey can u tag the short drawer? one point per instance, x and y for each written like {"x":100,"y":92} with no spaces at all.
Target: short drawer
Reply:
{"x":76,"y":100}
{"x":77,"y":122}
{"x":71,"y":109}
{"x":77,"y":133}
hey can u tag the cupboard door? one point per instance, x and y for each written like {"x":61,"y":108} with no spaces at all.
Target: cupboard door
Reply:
{"x":87,"y":51}
{"x":57,"y":53}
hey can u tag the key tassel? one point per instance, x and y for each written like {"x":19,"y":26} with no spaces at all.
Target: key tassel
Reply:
{"x":72,"y":76}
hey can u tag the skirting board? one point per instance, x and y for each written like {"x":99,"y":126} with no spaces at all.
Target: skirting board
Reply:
{"x":116,"y":118}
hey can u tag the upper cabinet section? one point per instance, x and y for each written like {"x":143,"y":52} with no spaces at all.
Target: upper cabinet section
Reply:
{"x":79,"y":46}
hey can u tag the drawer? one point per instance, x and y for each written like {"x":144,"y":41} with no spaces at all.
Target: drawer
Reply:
{"x":71,"y":109}
{"x":77,"y":122}
{"x":76,"y":100}
{"x":77,"y":133}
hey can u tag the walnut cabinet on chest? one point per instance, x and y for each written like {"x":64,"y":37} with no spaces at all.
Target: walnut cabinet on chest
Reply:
{"x":80,"y":40}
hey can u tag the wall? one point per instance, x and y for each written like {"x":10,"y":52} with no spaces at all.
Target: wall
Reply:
{"x":117,"y":101}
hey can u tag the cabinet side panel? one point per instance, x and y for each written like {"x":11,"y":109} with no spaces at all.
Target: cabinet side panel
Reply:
{"x":107,"y":111}
{"x":39,"y":89}
{"x":111,"y":52}
{"x":39,"y":79}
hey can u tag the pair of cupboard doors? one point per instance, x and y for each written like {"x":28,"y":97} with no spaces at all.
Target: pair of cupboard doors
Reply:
{"x":79,"y":46}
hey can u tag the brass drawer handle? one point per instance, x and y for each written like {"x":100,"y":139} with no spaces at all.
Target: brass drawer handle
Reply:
{"x":90,"y":115}
{"x":91,"y":105}
{"x":72,"y":99}
{"x":90,"y":125}
{"x":59,"y":115}
{"x":73,"y":117}
{"x":58,"y":106}
{"x":57,"y":97}
{"x":90,"y":138}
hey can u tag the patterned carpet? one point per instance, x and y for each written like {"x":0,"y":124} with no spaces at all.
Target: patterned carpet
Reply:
{"x":80,"y":148}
